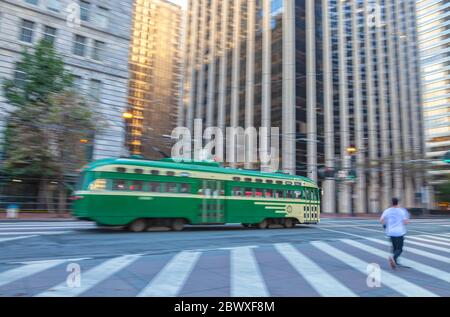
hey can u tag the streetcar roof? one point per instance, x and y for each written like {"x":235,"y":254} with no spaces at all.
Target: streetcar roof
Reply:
{"x":212,"y":167}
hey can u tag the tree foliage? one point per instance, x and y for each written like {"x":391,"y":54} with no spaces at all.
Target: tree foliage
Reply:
{"x":48,"y":118}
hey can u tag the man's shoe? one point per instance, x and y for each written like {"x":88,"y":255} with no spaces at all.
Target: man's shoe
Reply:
{"x":392,"y":263}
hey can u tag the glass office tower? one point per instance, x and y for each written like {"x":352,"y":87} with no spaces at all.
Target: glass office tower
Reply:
{"x":433,"y":18}
{"x":155,"y":70}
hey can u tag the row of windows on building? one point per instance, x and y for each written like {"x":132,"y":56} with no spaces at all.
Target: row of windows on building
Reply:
{"x":184,"y":188}
{"x":87,"y":11}
{"x":80,"y":43}
{"x":93,"y":92}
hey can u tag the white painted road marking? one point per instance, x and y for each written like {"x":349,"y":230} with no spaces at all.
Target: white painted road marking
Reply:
{"x":172,"y":277}
{"x":425,"y":269}
{"x":92,"y":277}
{"x":246,"y":278}
{"x":318,"y":278}
{"x":15,"y":238}
{"x":394,"y":282}
{"x":30,"y":269}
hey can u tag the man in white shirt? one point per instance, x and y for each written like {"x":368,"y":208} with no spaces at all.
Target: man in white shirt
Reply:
{"x":395,"y":220}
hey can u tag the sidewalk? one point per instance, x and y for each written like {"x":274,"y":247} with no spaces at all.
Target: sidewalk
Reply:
{"x":39,"y":216}
{"x":45,"y":216}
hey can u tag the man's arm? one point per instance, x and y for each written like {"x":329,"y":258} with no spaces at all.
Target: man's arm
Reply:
{"x":382,"y":217}
{"x":406,"y":220}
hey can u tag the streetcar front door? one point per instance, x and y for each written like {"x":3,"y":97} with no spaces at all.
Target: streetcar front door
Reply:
{"x":213,"y":204}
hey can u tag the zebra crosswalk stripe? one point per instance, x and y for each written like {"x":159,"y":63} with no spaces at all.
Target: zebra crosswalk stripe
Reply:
{"x":394,"y":282}
{"x":429,"y":246}
{"x":318,"y":278}
{"x":27,"y":270}
{"x":425,"y":269}
{"x":33,"y":233}
{"x":429,"y":255}
{"x":436,"y":238}
{"x":92,"y":277}
{"x":173,"y":276}
{"x":246,"y":278}
{"x":16,"y":238}
{"x":429,"y":240}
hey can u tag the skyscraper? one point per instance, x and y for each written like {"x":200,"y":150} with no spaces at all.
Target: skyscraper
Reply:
{"x":339,"y":78}
{"x":433,"y":18}
{"x":377,"y":85}
{"x":247,"y":65}
{"x":155,"y":70}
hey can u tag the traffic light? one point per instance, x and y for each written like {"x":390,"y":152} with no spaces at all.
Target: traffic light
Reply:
{"x":326,"y":172}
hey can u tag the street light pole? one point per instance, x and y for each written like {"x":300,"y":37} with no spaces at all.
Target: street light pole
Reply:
{"x":352,"y":151}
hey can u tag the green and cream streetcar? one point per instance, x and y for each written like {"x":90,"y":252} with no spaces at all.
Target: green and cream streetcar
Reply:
{"x":140,"y":194}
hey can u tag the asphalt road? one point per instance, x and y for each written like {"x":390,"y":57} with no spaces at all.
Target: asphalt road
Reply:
{"x":339,"y":257}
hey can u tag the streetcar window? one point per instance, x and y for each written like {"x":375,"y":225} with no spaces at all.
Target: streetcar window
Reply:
{"x":154,"y":187}
{"x":171,"y":188}
{"x":279,"y":194}
{"x":279,"y":182}
{"x":98,"y":184}
{"x":288,"y":183}
{"x":236,"y":179}
{"x":119,"y":184}
{"x":269,"y":181}
{"x":237,"y":191}
{"x":298,"y":194}
{"x":247,"y":179}
{"x":139,"y":171}
{"x":121,"y":169}
{"x":185,"y":188}
{"x":269,"y":193}
{"x":249,"y":192}
{"x":298,"y":184}
{"x":170,"y":173}
{"x":259,"y":192}
{"x":154,"y":172}
{"x":136,"y":186}
{"x":258,"y":180}
{"x":290,"y":194}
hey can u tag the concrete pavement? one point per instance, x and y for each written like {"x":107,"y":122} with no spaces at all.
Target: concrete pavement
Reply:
{"x":331,"y":259}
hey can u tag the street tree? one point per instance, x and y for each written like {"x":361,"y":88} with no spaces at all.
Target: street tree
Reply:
{"x":47,"y":121}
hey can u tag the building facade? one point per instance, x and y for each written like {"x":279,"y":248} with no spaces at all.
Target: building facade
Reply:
{"x":246,"y":65}
{"x":377,"y":92}
{"x":93,"y":38}
{"x":339,"y":78}
{"x":155,"y":70}
{"x":433,"y":18}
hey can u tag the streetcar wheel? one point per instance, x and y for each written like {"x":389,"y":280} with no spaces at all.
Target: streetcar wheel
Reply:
{"x":177,"y":225}
{"x":262,"y":225}
{"x":138,"y":225}
{"x":289,"y":223}
{"x":246,"y":225}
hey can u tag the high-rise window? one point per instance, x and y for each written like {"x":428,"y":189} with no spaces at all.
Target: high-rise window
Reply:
{"x":98,"y":49}
{"x":78,"y":82}
{"x":54,"y":5}
{"x":49,"y":34}
{"x":35,"y":2}
{"x":95,"y":87}
{"x":101,"y":17}
{"x":26,"y":31}
{"x":84,"y":10}
{"x":19,"y":76}
{"x":79,"y":47}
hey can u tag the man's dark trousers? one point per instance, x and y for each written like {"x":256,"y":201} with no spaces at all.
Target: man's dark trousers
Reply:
{"x":397,"y":246}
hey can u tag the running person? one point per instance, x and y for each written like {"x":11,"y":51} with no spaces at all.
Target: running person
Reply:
{"x":395,"y":220}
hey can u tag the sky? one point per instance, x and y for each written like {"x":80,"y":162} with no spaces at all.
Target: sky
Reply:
{"x":182,"y":3}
